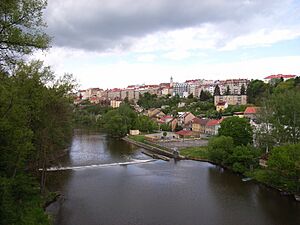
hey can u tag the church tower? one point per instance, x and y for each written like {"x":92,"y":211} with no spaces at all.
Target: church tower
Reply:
{"x":171,"y":82}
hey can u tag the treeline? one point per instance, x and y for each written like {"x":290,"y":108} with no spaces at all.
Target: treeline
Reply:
{"x":116,"y":122}
{"x":35,"y":126}
{"x":35,"y":114}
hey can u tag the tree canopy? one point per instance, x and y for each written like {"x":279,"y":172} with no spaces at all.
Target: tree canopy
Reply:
{"x":237,"y":128}
{"x":35,"y":126}
{"x":21,"y":29}
{"x":205,"y":96}
{"x":217,"y":91}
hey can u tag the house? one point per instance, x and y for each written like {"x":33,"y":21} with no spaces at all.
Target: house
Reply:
{"x":185,"y":119}
{"x":251,"y":112}
{"x":212,"y":127}
{"x":174,"y":123}
{"x":134,"y":132}
{"x":166,"y":119}
{"x":196,"y":124}
{"x":185,"y":133}
{"x":221,"y":106}
{"x":199,"y":125}
{"x":115,"y":103}
{"x":155,"y":114}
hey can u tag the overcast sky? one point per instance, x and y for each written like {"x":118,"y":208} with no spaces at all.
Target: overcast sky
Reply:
{"x":114,"y":43}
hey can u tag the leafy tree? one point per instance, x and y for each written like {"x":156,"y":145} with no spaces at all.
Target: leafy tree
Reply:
{"x":244,"y":158}
{"x":191,"y":96}
{"x":217,"y":91}
{"x":118,"y":122}
{"x":227,"y":92}
{"x":115,"y":123}
{"x":220,"y":149}
{"x":285,"y":86}
{"x":213,"y":114}
{"x":21,"y":29}
{"x":165,"y":127}
{"x":243,"y":89}
{"x":35,"y":125}
{"x":237,"y":128}
{"x":256,"y":91}
{"x":235,"y":108}
{"x":148,"y":101}
{"x":281,"y":118}
{"x":145,"y":124}
{"x":205,"y":96}
{"x":283,"y":169}
{"x":284,"y":163}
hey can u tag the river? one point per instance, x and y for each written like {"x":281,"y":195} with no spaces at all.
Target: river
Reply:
{"x":158,"y":192}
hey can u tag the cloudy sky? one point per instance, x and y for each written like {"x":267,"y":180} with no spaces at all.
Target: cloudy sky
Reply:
{"x":114,"y":43}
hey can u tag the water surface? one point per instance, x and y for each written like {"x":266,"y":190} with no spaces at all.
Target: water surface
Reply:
{"x":175,"y":193}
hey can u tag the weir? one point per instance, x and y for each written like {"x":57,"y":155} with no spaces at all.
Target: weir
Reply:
{"x":136,"y":161}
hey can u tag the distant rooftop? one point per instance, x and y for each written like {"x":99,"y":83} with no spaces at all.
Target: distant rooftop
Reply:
{"x":279,"y":76}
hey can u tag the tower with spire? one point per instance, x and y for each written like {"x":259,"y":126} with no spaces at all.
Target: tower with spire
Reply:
{"x":171,"y":82}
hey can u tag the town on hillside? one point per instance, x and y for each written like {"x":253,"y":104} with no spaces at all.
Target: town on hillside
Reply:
{"x":224,"y":98}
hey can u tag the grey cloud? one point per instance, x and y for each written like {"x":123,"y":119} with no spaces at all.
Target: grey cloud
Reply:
{"x":107,"y":24}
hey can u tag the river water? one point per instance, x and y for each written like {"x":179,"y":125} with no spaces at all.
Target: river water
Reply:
{"x":159,"y":192}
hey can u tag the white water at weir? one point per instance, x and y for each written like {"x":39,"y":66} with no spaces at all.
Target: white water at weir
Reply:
{"x":135,"y":161}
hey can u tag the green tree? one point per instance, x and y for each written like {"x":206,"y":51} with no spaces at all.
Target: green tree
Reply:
{"x":145,"y":124}
{"x":205,"y":96}
{"x":148,"y":101}
{"x":21,"y":29}
{"x":115,"y":123}
{"x":35,"y":125}
{"x":282,"y":114}
{"x":217,"y":91}
{"x":220,"y":149}
{"x":165,"y":127}
{"x":244,"y":158}
{"x":237,"y":128}
{"x":118,"y":122}
{"x":227,"y":92}
{"x":256,"y":91}
{"x":284,"y":167}
{"x":243,"y":90}
{"x":191,"y":96}
{"x":285,"y":86}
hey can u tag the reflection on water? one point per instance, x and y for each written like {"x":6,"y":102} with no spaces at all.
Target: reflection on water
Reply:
{"x":186,"y":192}
{"x":91,"y":147}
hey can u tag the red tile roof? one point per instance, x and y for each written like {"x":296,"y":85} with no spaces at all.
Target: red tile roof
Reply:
{"x":196,"y":121}
{"x":211,"y":123}
{"x":251,"y":110}
{"x":221,"y":103}
{"x":167,"y":117}
{"x":278,"y":76}
{"x":184,"y":132}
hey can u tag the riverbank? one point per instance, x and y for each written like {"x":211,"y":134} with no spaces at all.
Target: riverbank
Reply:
{"x":200,"y":153}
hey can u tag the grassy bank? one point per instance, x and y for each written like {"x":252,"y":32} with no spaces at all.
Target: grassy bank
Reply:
{"x":198,"y":152}
{"x":139,"y":138}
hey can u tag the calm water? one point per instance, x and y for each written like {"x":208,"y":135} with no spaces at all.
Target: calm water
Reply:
{"x":158,"y":193}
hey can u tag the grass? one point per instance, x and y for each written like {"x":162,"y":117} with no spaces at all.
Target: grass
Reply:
{"x":198,"y":152}
{"x":139,"y":138}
